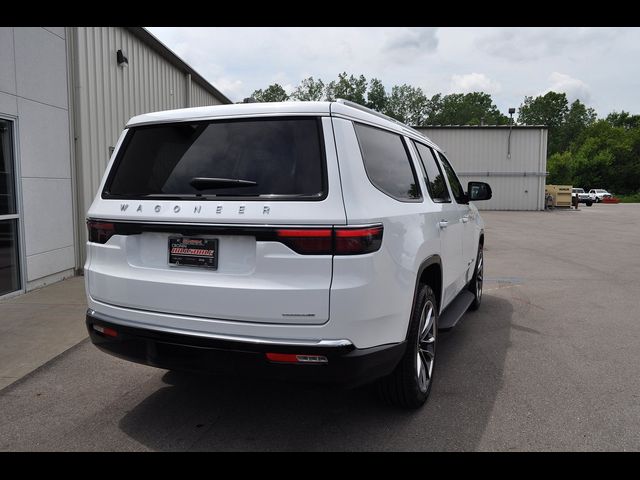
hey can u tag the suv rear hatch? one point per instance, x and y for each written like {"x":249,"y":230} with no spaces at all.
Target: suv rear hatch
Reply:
{"x":222,"y":219}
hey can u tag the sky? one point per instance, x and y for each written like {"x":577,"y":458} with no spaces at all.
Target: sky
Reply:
{"x":598,"y":65}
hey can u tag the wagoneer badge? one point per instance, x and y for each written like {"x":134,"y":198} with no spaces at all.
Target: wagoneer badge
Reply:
{"x":196,"y":209}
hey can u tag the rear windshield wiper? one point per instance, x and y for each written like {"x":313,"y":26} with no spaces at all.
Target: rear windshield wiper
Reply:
{"x":205,"y":183}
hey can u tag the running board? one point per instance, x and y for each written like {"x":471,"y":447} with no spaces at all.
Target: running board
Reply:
{"x":455,"y":310}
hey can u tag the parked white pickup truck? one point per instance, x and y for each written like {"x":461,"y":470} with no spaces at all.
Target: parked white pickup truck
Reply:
{"x":583,"y":197}
{"x":599,"y":193}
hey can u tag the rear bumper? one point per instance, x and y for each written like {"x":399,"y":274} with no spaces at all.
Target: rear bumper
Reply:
{"x":346,"y":365}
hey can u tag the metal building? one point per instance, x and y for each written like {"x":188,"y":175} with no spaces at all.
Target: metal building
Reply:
{"x":512,"y":160}
{"x":65,"y":96}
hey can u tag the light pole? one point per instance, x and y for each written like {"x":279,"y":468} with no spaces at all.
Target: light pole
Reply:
{"x":511,"y":112}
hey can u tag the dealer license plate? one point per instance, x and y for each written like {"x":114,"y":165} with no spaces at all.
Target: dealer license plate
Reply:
{"x":193,"y":252}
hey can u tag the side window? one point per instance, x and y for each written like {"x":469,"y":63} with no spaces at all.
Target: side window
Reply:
{"x":456,"y":186}
{"x":433,"y":175}
{"x":387,"y":163}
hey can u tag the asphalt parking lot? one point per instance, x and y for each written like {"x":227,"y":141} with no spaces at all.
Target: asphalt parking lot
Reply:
{"x":549,"y":362}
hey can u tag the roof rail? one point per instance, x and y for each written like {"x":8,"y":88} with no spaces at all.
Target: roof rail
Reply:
{"x":355,"y":105}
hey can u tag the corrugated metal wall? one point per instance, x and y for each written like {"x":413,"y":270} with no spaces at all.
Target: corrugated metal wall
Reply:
{"x":480,"y":154}
{"x":200,"y":97}
{"x":107,"y":96}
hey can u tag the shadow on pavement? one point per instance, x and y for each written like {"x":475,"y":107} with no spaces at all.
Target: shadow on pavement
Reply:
{"x":198,"y":412}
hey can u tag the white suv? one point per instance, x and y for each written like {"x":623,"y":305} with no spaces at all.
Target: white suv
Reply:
{"x":312,"y":240}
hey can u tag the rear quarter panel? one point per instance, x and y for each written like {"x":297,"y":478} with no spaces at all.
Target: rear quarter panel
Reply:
{"x":375,"y":292}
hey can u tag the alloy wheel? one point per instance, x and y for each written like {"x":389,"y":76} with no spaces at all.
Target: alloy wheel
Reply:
{"x":426,"y":346}
{"x":479,"y":274}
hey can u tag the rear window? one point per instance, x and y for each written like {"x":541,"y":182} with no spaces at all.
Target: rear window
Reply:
{"x":279,"y":158}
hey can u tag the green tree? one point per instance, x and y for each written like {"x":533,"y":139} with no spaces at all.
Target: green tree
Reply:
{"x":475,"y":108}
{"x":603,"y":156}
{"x":609,"y":155}
{"x":309,"y":90}
{"x":432,"y":109}
{"x":577,"y":119}
{"x":550,"y":110}
{"x":377,"y":96}
{"x":348,"y":87}
{"x":623,"y":119}
{"x":273,"y":93}
{"x":560,"y":168}
{"x":407,"y":104}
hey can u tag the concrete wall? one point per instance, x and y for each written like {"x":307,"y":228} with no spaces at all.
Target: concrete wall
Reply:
{"x":34,"y":93}
{"x":480,"y":154}
{"x":107,"y":96}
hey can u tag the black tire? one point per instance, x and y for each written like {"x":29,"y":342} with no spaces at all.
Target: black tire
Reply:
{"x":476,"y":283}
{"x":408,"y":386}
{"x":589,"y":203}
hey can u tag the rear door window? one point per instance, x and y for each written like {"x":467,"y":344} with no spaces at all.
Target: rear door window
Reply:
{"x":276,"y":158}
{"x":387,"y":163}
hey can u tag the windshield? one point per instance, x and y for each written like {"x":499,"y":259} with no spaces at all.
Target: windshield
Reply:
{"x":578,"y":190}
{"x":269,"y":157}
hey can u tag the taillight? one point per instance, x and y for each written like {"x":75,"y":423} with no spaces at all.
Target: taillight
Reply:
{"x":356,"y":241}
{"x":311,"y":241}
{"x":336,"y":241}
{"x":100,"y":232}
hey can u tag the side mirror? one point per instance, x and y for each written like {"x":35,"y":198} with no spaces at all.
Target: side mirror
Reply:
{"x":478,"y":191}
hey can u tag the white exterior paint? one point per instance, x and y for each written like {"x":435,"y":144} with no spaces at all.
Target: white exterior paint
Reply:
{"x":481,"y":154}
{"x":129,"y":281}
{"x":232,"y":111}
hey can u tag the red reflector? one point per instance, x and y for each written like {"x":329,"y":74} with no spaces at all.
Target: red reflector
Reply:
{"x":283,"y":357}
{"x":109,"y":332}
{"x":296,"y":358}
{"x":324,"y":232}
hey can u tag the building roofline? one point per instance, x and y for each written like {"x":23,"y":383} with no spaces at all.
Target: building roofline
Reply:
{"x":444,"y":127}
{"x":151,"y":40}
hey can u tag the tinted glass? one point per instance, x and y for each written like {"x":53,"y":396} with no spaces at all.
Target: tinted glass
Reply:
{"x":284,"y":157}
{"x":434,"y":179}
{"x":387,"y":163}
{"x":9,"y":266}
{"x":7,"y":196}
{"x":456,"y":186}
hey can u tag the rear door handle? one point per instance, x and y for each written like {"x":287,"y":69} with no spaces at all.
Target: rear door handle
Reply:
{"x":465,"y":218}
{"x":443,"y":223}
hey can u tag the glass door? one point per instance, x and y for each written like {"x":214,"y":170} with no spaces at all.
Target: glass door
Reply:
{"x":9,"y":251}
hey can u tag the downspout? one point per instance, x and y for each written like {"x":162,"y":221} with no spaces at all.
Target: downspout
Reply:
{"x":70,"y":41}
{"x":188,"y":90}
{"x":542,"y":179}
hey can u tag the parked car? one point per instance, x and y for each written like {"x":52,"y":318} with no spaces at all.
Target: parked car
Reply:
{"x":583,"y":197}
{"x":599,"y":194}
{"x":313,"y":240}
